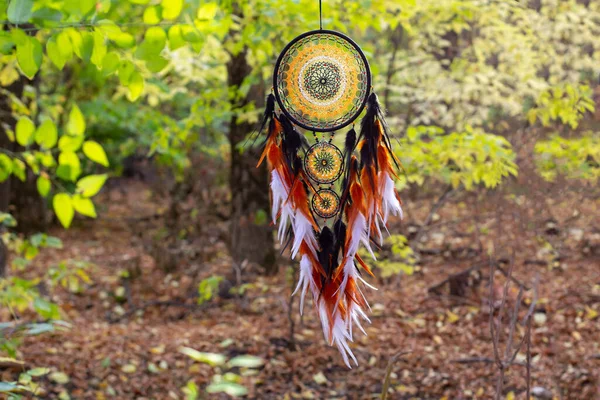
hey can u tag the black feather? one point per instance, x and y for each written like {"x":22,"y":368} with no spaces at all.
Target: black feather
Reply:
{"x":339,"y":230}
{"x":305,"y":144}
{"x":346,"y":186}
{"x":349,"y":145}
{"x":374,"y":111}
{"x":350,"y":141}
{"x":325,"y":253}
{"x":267,"y":117}
{"x":292,"y":140}
{"x":296,"y":166}
{"x":368,"y":133}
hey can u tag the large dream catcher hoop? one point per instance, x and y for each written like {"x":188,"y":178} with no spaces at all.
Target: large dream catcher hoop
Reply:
{"x":322,"y":81}
{"x":329,"y":202}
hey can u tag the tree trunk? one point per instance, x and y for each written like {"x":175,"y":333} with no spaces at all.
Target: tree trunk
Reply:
{"x":19,"y":198}
{"x":251,"y":234}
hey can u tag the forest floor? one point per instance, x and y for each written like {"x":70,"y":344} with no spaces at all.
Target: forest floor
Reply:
{"x":129,"y":323}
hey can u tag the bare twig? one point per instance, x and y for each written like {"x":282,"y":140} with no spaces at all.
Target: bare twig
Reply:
{"x":485,"y":360}
{"x":528,"y":363}
{"x":533,"y":301}
{"x":496,"y":328}
{"x":512,"y":278}
{"x":388,"y":372}
{"x":495,"y":336}
{"x":513,"y":324}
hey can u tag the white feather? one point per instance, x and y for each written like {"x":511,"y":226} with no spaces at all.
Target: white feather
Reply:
{"x":303,"y":231}
{"x":280,"y":192}
{"x":389,"y":202}
{"x":305,"y":280}
{"x":340,"y":338}
{"x":360,"y":234}
{"x":339,"y":335}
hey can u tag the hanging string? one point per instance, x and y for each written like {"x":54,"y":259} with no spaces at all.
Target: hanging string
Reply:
{"x":320,"y":16}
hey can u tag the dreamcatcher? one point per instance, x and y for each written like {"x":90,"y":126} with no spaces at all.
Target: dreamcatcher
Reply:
{"x":327,"y":201}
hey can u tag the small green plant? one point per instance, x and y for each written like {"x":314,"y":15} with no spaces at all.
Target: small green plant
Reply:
{"x":56,"y":161}
{"x":566,"y":104}
{"x":20,"y":295}
{"x":402,"y":261}
{"x":574,"y":158}
{"x":468,"y":158}
{"x":228,"y":382}
{"x":25,"y":384}
{"x":208,"y":287}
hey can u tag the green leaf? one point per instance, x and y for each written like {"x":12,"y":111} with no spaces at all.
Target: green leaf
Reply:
{"x":110,"y":63}
{"x":157,"y":37}
{"x":76,"y":123}
{"x":18,"y":169}
{"x":63,"y":208}
{"x":190,"y":34}
{"x":99,"y":48}
{"x":65,"y":45}
{"x":108,"y":26}
{"x":18,"y":36}
{"x":207,"y":11}
{"x":43,"y":185}
{"x":156,"y":64}
{"x":176,"y":37}
{"x":24,"y":131}
{"x":6,"y":43}
{"x":46,"y":309}
{"x":54,"y":53}
{"x":7,"y":220}
{"x":59,"y":377}
{"x":103,"y":6}
{"x":6,"y":167}
{"x":53,"y":242}
{"x":136,"y":86}
{"x":95,"y":152}
{"x":69,"y":167}
{"x":84,"y":206}
{"x":154,"y":42}
{"x":24,"y":379}
{"x":6,"y":387}
{"x":19,"y":11}
{"x":208,"y":287}
{"x":246,"y":361}
{"x":171,"y":8}
{"x":78,"y":8}
{"x":190,"y":390}
{"x":230,"y":388}
{"x":46,"y":135}
{"x":29,"y":56}
{"x":38,"y":371}
{"x":152,"y":15}
{"x":261,"y":217}
{"x":91,"y":184}
{"x":122,"y":39}
{"x":70,"y":143}
{"x":213,"y":359}
{"x":46,"y":17}
{"x":126,"y":68}
{"x":84,"y":46}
